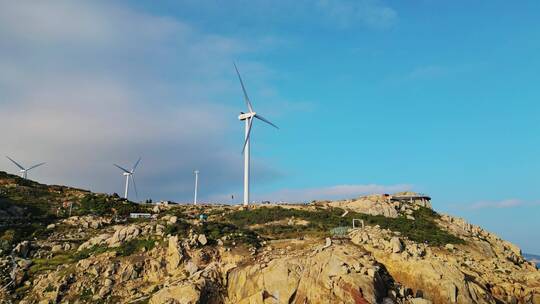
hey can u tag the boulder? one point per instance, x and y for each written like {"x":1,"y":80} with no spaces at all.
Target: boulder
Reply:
{"x":57,"y":248}
{"x":123,"y":234}
{"x":396,"y":245}
{"x":182,"y":294}
{"x":22,"y":249}
{"x":24,"y":264}
{"x":202,"y":239}
{"x":174,"y":255}
{"x":419,"y":301}
{"x":191,"y":267}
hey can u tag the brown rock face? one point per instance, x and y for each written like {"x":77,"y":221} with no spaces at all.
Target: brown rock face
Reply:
{"x":337,"y":274}
{"x":183,"y":294}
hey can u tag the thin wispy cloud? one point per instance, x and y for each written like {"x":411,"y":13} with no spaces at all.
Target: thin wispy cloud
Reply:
{"x":329,"y":14}
{"x":502,"y":204}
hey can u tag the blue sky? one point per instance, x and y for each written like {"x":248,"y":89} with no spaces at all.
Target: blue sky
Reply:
{"x":370,"y":96}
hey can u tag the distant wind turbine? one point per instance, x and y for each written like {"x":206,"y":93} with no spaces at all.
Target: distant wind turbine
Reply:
{"x":196,"y":172}
{"x":248,"y":118}
{"x":24,"y":171}
{"x":129,"y":175}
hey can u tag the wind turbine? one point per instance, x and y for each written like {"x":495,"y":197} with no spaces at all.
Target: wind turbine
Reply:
{"x":248,"y":118}
{"x":129,"y":174}
{"x":196,"y":172}
{"x":24,"y":171}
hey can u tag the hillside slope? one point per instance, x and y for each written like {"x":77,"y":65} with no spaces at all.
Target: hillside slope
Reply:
{"x":403,"y":253}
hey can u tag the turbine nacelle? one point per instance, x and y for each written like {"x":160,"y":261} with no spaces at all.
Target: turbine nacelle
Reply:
{"x":244,"y":116}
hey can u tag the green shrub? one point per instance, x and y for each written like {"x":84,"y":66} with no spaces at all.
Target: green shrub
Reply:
{"x":86,"y":253}
{"x":216,"y":230}
{"x":97,"y":204}
{"x":133,"y":246}
{"x":43,"y":265}
{"x":181,"y":227}
{"x":49,"y":288}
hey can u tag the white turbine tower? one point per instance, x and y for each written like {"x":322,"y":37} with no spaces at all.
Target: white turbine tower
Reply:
{"x":24,"y":171}
{"x":129,"y":175}
{"x":196,"y":172}
{"x":248,"y":118}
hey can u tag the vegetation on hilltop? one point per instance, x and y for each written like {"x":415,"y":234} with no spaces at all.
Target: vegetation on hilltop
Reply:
{"x":102,"y":204}
{"x":422,"y":229}
{"x":214,"y":231}
{"x":27,"y":207}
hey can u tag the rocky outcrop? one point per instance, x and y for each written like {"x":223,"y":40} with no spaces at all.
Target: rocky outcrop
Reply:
{"x":121,"y":234}
{"x":182,"y":294}
{"x":87,"y":221}
{"x":179,"y":258}
{"x":338,"y":274}
{"x":484,"y":270}
{"x":381,"y":205}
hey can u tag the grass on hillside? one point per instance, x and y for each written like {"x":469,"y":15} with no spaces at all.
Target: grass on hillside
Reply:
{"x":422,"y":229}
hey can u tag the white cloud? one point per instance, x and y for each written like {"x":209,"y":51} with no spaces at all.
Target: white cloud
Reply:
{"x":509,"y":203}
{"x":85,"y":84}
{"x":325,"y":193}
{"x":81,"y":22}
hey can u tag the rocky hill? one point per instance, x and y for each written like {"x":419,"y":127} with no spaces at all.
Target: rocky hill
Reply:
{"x":398,"y":252}
{"x":533,"y":258}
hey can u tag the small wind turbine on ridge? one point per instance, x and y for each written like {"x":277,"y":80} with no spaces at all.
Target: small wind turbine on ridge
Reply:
{"x":129,"y":175}
{"x":196,"y":172}
{"x":23,"y":171}
{"x":248,"y":119}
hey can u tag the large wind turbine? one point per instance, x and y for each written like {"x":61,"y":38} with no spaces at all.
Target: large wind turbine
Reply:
{"x":129,"y":175}
{"x":23,"y":170}
{"x":248,"y":118}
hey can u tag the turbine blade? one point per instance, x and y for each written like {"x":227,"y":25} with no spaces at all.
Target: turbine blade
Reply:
{"x":248,"y":134}
{"x":125,"y":170}
{"x":246,"y":98}
{"x":134,"y":186}
{"x":136,"y":164}
{"x":266,"y":121}
{"x":16,"y":163}
{"x":35,"y":166}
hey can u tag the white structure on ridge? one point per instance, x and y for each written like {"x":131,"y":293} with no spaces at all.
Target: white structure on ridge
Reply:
{"x":129,"y":175}
{"x":23,"y":171}
{"x":248,"y":119}
{"x":196,"y":172}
